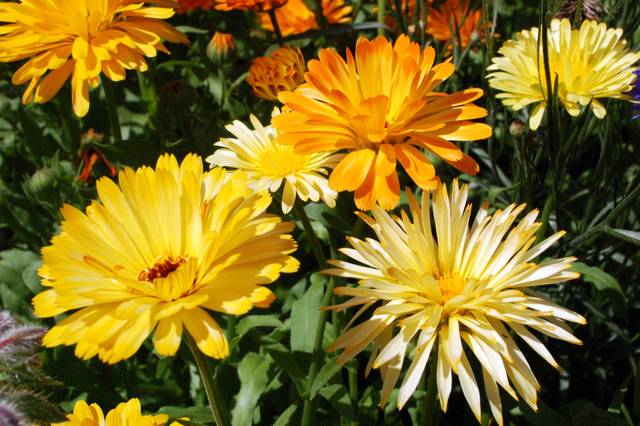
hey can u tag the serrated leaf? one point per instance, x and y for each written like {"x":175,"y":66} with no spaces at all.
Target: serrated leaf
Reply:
{"x":305,"y":315}
{"x":253,"y":374}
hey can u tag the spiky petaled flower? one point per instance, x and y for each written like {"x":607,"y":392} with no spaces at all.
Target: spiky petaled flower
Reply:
{"x":591,"y":9}
{"x":381,"y":107}
{"x":257,"y":5}
{"x":463,"y":284}
{"x":296,"y":18}
{"x":191,"y":5}
{"x":268,"y":163}
{"x":590,"y":63}
{"x":156,"y":253}
{"x":80,"y":40}
{"x":220,"y":47}
{"x":283,"y":70}
{"x":454,"y":21}
{"x":125,"y":414}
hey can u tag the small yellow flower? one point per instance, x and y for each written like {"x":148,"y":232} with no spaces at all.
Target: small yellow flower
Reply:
{"x":220,"y":47}
{"x":158,"y":252}
{"x":80,"y":39}
{"x":283,"y":70}
{"x":382,"y":107}
{"x":590,"y":63}
{"x":296,"y":18}
{"x":268,"y":163}
{"x":125,"y":414}
{"x":468,"y":284}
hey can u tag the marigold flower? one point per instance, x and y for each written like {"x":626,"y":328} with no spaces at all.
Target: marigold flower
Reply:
{"x":380,"y":106}
{"x":456,"y":16}
{"x":190,"y":5}
{"x":296,"y":18}
{"x":283,"y":70}
{"x":158,"y":251}
{"x":125,"y":414}
{"x":258,"y":5}
{"x":461,"y":284}
{"x":220,"y":46}
{"x":80,"y":39}
{"x":589,"y":63}
{"x":268,"y":163}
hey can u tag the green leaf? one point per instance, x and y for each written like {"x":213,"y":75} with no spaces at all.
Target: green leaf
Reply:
{"x":339,"y":399}
{"x":305,"y":315}
{"x":585,"y":413}
{"x":253,"y":374}
{"x":195,"y":414}
{"x":602,"y":281}
{"x":285,"y":418}
{"x":632,"y":237}
{"x":328,"y":370}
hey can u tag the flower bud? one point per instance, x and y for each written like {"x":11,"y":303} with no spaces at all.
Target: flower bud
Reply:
{"x":282,"y":71}
{"x":42,"y":180}
{"x":221,"y":47}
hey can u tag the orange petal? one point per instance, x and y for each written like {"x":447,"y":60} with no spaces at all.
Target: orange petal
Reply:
{"x":350,"y":173}
{"x":466,"y":165}
{"x":385,"y":160}
{"x":416,"y":165}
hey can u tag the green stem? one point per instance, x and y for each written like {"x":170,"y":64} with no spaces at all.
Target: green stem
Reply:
{"x":211,"y":388}
{"x":112,"y":109}
{"x":316,"y":246}
{"x":70,"y":127}
{"x":276,"y":27}
{"x":429,"y":414}
{"x":381,"y":14}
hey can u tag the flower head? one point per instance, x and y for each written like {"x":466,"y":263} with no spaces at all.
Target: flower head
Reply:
{"x":463,"y":284}
{"x":158,"y":251}
{"x":268,"y":164}
{"x":381,"y":106}
{"x":283,"y":70}
{"x":589,"y":64}
{"x":454,"y":20}
{"x":125,"y":414}
{"x":296,"y":18}
{"x":258,"y":5}
{"x":80,"y":39}
{"x":220,"y":47}
{"x":190,"y":5}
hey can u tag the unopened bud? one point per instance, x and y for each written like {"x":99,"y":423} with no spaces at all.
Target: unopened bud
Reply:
{"x":42,"y":180}
{"x":221,"y":47}
{"x":517,"y":128}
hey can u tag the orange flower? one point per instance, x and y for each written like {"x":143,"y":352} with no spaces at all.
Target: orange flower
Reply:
{"x":456,"y":15}
{"x":296,"y":18}
{"x":260,"y":5}
{"x":380,"y":106}
{"x":220,"y":46}
{"x":283,"y":70}
{"x":189,"y":5}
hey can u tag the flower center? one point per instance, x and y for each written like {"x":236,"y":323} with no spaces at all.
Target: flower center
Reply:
{"x":161,"y":268}
{"x":450,"y":286}
{"x":281,"y":162}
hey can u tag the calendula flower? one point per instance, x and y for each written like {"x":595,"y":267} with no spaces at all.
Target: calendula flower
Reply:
{"x":283,"y":70}
{"x":381,"y":107}
{"x":190,"y":5}
{"x":268,"y":164}
{"x":296,"y":18}
{"x":463,"y":284}
{"x":589,"y":64}
{"x":454,"y":20}
{"x":591,"y":9}
{"x":81,"y":39}
{"x":125,"y":414}
{"x":158,"y":252}
{"x":257,"y":5}
{"x":220,"y":47}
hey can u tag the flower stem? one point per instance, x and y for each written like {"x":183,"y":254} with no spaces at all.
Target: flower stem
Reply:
{"x":316,"y":246}
{"x":381,"y":15}
{"x":112,"y":109}
{"x":276,"y":27}
{"x":211,"y":388}
{"x":429,"y":414}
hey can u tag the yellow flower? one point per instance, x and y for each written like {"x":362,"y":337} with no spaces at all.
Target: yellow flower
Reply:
{"x":125,"y":414}
{"x":296,"y":18}
{"x":160,"y":249}
{"x":268,"y":163}
{"x":381,"y":106}
{"x":259,"y":5}
{"x":465,"y":284}
{"x":454,"y":15}
{"x":283,"y":70}
{"x":590,"y":63}
{"x":80,"y":39}
{"x":220,"y":46}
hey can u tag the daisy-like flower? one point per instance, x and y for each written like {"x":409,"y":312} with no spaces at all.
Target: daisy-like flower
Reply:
{"x":283,"y":70}
{"x":589,"y":63}
{"x":462,"y":286}
{"x":381,"y":107}
{"x":454,"y":20}
{"x":190,"y":5}
{"x":125,"y":414}
{"x":296,"y":18}
{"x":158,"y":251}
{"x":81,"y":39}
{"x":257,"y":5}
{"x":268,"y":164}
{"x":220,"y":46}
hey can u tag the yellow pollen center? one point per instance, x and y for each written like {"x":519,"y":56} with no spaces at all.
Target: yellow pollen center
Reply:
{"x":281,"y":162}
{"x":161,"y":268}
{"x":450,"y":286}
